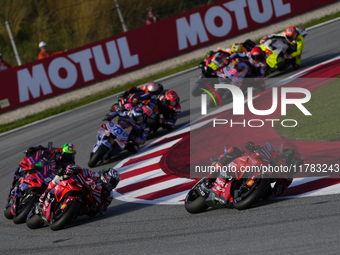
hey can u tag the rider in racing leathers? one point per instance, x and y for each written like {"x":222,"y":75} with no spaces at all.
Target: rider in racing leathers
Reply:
{"x":170,"y":108}
{"x":294,"y":37}
{"x":289,"y":157}
{"x":107,"y":179}
{"x":56,"y":157}
{"x":152,"y":88}
{"x":140,"y":130}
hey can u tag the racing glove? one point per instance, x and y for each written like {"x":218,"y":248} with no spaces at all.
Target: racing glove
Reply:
{"x":108,"y":117}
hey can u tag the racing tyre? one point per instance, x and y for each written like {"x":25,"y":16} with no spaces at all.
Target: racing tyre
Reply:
{"x":194,"y":203}
{"x":24,"y":210}
{"x":98,"y":155}
{"x":67,"y":216}
{"x":35,"y":222}
{"x":253,"y":195}
{"x":8,"y":213}
{"x":195,"y":90}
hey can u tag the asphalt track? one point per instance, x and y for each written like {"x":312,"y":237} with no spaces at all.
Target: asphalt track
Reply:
{"x":291,"y":226}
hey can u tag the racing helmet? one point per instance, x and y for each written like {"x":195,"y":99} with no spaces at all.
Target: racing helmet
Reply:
{"x":171,"y":98}
{"x":137,"y":114}
{"x":236,"y":48}
{"x":153,"y":88}
{"x":110,"y":178}
{"x":291,"y":34}
{"x":257,"y":54}
{"x":68,"y":153}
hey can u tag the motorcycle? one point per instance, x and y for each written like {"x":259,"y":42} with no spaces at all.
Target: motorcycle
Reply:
{"x":237,"y":73}
{"x":73,"y":197}
{"x":27,"y":190}
{"x":112,"y":138}
{"x":277,"y":51}
{"x":241,"y":184}
{"x":211,"y":65}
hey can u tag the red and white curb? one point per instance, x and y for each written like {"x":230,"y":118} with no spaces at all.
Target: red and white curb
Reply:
{"x":143,"y":180}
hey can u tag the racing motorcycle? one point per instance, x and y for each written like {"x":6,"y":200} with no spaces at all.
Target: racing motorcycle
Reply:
{"x":73,"y":197}
{"x":237,"y":73}
{"x":211,"y":65}
{"x":241,"y":184}
{"x":112,"y":138}
{"x":27,"y":189}
{"x":277,"y":51}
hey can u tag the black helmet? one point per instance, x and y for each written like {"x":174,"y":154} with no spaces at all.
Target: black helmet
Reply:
{"x":110,"y":178}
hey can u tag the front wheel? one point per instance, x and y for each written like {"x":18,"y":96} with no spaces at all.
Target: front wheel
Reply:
{"x":66,"y":216}
{"x":8,"y":212}
{"x":35,"y":222}
{"x":194,"y":203}
{"x":98,"y":155}
{"x":252,"y":195}
{"x":196,"y":91}
{"x":24,"y":209}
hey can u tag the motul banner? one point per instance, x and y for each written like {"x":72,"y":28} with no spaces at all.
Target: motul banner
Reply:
{"x":143,"y":46}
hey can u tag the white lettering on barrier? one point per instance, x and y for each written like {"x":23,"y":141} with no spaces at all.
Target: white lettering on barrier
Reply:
{"x":194,"y":28}
{"x":38,"y":80}
{"x":209,"y":20}
{"x":33,"y":83}
{"x":53,"y":73}
{"x":280,"y":8}
{"x":238,"y":7}
{"x":83,"y":58}
{"x":127,"y":59}
{"x":190,"y":32}
{"x":99,"y":58}
{"x":255,"y":13}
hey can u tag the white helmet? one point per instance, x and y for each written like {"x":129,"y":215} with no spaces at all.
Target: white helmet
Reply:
{"x":153,"y":88}
{"x":42,"y":44}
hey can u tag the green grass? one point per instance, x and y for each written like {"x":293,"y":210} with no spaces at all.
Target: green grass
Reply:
{"x":324,"y":124}
{"x":92,"y":98}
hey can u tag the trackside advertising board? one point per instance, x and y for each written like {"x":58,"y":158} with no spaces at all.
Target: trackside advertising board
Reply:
{"x":42,"y":79}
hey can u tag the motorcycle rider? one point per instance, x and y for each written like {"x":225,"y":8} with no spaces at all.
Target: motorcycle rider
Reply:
{"x":294,"y":37}
{"x":152,"y":88}
{"x":140,"y":130}
{"x":107,"y":178}
{"x":170,"y":109}
{"x":62,"y":157}
{"x":257,"y":59}
{"x":290,"y":157}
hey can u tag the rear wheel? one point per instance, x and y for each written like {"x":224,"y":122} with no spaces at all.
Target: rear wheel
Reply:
{"x":35,"y":222}
{"x":98,"y":155}
{"x":66,"y":216}
{"x":24,"y":210}
{"x":249,"y":196}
